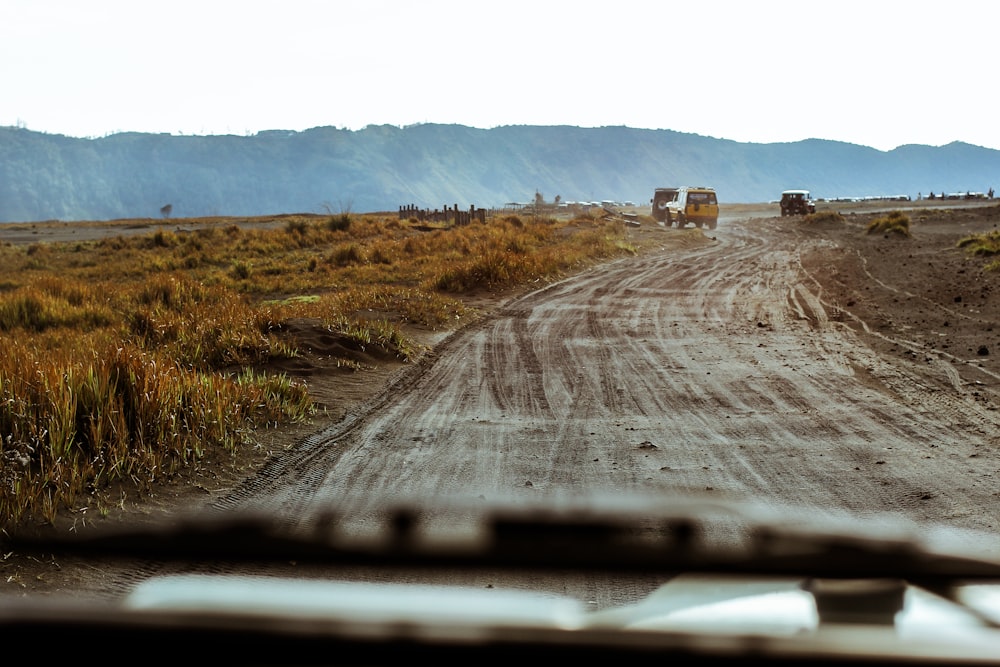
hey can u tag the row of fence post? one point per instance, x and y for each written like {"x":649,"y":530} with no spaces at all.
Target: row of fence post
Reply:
{"x":444,"y":214}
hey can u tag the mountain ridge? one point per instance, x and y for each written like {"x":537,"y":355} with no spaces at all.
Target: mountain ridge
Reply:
{"x":430,"y":165}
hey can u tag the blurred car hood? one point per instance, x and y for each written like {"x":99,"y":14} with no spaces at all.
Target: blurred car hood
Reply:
{"x":792,"y":587}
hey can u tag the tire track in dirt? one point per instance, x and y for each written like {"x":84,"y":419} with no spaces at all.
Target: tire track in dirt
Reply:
{"x":719,"y":370}
{"x":920,"y":384}
{"x":713,"y":371}
{"x":708,"y":370}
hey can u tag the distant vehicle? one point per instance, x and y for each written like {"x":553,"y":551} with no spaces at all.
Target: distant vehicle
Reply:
{"x":661,"y":198}
{"x":796,"y":202}
{"x":697,"y":205}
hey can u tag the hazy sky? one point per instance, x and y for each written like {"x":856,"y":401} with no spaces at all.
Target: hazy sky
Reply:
{"x":875,"y":73}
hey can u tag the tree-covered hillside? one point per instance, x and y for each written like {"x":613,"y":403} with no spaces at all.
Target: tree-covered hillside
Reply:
{"x":379,"y":168}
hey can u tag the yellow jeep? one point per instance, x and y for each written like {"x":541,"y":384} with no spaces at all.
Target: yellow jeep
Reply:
{"x":695,"y":205}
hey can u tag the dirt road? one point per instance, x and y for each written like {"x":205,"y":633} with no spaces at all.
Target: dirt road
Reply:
{"x":766,"y":362}
{"x":718,"y":370}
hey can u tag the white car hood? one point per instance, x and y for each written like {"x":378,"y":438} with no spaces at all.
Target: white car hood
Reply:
{"x":687,"y":603}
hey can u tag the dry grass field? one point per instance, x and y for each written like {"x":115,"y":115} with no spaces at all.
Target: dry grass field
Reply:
{"x":139,"y":352}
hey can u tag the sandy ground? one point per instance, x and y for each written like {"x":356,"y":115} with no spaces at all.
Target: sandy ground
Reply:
{"x":788,"y":363}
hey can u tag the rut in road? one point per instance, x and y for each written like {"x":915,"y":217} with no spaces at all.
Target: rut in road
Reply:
{"x":715,"y":371}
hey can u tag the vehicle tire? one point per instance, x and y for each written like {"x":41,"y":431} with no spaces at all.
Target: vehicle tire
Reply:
{"x":712,"y":224}
{"x":661,"y":213}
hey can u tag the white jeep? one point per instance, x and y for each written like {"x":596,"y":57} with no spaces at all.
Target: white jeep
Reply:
{"x":797,"y":202}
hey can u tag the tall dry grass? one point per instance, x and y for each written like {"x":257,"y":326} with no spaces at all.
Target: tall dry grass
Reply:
{"x":127,"y":358}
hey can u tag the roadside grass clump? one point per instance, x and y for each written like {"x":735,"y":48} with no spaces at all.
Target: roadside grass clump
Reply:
{"x":242,"y":269}
{"x":376,"y":333}
{"x":512,"y":253}
{"x":294,"y":226}
{"x":174,"y":291}
{"x":165,"y":239}
{"x":823,"y":218}
{"x":896,"y":222}
{"x":493,"y":269}
{"x":983,"y":245}
{"x":202,"y":326}
{"x":130,"y":357}
{"x":37,"y":307}
{"x":987,"y":244}
{"x":347,"y":254}
{"x":503,"y":255}
{"x":339,"y":223}
{"x":374,"y":314}
{"x":403,"y":304}
{"x":74,"y":421}
{"x":257,"y":243}
{"x":208,"y":337}
{"x":382,"y":254}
